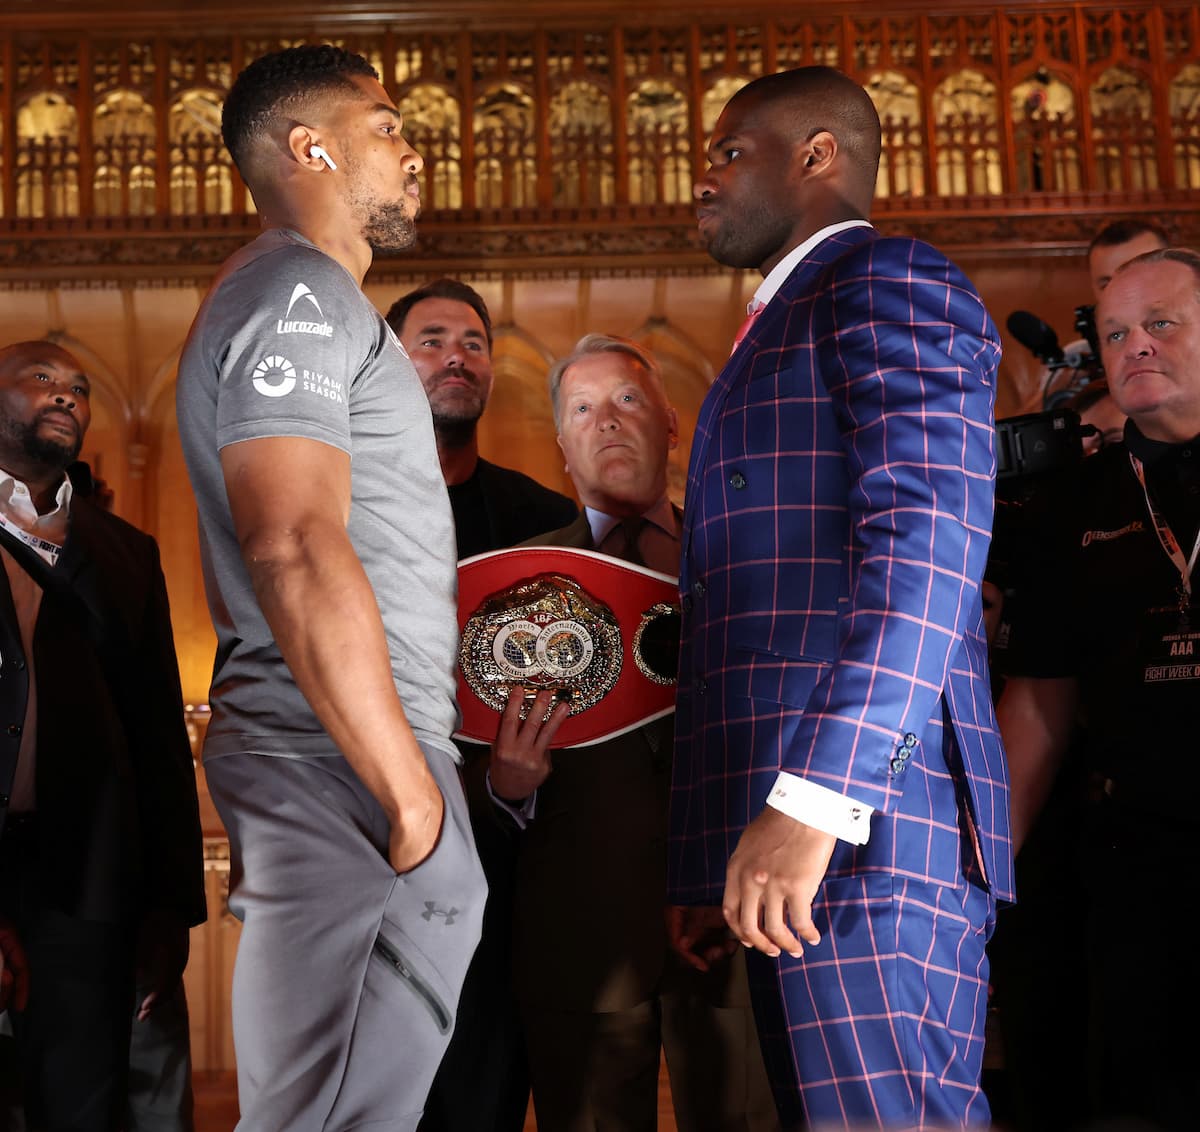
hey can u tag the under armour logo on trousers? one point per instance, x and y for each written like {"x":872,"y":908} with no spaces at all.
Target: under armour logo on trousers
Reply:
{"x":431,"y":910}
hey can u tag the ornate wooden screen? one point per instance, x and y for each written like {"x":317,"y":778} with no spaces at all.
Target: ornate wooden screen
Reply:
{"x":572,"y":128}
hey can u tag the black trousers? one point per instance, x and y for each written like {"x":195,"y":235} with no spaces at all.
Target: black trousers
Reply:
{"x":482,"y":1084}
{"x":1144,"y":980}
{"x":68,"y":1060}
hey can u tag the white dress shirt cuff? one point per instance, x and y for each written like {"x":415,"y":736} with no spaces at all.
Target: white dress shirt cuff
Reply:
{"x":822,"y":808}
{"x":522,"y":814}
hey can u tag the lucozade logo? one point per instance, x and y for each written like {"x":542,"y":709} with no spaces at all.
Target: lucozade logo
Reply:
{"x":288,"y":325}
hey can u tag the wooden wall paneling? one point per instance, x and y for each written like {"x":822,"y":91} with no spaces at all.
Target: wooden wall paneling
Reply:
{"x":8,"y":129}
{"x":208,"y":980}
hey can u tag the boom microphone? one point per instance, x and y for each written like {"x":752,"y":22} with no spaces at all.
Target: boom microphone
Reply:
{"x":1036,"y":337}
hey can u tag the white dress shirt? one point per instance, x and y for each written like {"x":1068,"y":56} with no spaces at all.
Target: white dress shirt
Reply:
{"x":46,"y":534}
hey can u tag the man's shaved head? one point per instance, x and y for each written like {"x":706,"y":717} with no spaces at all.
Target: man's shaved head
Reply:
{"x":791,"y":153}
{"x":811,"y":99}
{"x":39,"y":349}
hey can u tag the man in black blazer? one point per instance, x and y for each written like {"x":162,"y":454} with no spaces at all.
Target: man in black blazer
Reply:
{"x":101,"y":863}
{"x":446,"y":330}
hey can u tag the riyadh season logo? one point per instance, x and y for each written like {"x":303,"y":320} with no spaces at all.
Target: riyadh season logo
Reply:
{"x":301,"y":293}
{"x":274,"y":376}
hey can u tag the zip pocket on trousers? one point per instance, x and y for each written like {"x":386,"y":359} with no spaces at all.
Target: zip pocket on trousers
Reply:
{"x":391,"y":956}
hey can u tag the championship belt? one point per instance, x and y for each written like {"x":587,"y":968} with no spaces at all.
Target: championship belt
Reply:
{"x":602,"y":632}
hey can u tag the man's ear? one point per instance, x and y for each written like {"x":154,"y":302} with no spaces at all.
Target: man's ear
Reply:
{"x":558,"y":439}
{"x":300,"y":142}
{"x":672,"y":429}
{"x":818,"y":151}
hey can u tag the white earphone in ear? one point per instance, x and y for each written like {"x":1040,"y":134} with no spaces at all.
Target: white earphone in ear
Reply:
{"x":319,"y":151}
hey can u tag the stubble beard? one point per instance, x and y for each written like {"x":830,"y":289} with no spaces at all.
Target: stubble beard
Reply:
{"x":388,"y":228}
{"x":749,"y":242}
{"x":456,"y":411}
{"x":387,"y":225}
{"x":455,"y":418}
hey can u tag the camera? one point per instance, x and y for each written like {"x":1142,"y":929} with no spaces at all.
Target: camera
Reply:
{"x":1031,"y":450}
{"x":1033,"y":446}
{"x":1067,"y":370}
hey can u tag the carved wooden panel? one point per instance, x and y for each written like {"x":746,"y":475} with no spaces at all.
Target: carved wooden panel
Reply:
{"x":536,"y":120}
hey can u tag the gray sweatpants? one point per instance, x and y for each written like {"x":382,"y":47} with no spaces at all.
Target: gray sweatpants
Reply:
{"x":347,"y":975}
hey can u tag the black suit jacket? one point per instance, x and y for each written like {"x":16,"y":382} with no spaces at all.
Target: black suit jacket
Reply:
{"x":517,"y":508}
{"x":118,"y":817}
{"x":589,"y":932}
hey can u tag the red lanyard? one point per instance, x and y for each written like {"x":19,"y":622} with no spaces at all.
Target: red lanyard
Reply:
{"x":1166,"y":536}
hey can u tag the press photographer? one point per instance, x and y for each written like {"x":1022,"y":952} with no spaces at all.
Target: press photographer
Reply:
{"x":1108,"y":631}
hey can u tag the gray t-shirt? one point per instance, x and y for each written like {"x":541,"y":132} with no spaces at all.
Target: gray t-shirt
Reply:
{"x":287,"y":344}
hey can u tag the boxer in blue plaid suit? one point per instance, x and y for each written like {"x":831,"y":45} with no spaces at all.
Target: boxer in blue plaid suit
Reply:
{"x":840,"y":787}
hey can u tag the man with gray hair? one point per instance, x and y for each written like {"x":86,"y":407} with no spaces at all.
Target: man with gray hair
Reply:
{"x":598,"y":1013}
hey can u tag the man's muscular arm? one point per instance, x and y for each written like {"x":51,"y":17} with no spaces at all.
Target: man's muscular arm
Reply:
{"x":320,"y":607}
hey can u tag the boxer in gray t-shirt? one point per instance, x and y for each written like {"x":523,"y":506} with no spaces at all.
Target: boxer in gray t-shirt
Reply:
{"x":329,"y":562}
{"x":287,"y":345}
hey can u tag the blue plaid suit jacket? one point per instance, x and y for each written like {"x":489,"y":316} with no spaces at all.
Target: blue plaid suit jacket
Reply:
{"x":836,"y":526}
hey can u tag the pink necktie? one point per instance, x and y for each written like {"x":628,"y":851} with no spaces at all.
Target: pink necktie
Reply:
{"x":755,"y":310}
